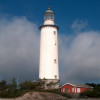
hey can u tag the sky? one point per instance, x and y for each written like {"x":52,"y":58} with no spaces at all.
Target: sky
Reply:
{"x":78,"y":37}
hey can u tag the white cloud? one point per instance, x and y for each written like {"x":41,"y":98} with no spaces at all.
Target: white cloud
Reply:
{"x":79,"y":56}
{"x":80,"y":62}
{"x":19,"y":49}
{"x":79,"y":25}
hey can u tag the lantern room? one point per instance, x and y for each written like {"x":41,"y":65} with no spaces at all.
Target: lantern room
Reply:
{"x":49,"y":17}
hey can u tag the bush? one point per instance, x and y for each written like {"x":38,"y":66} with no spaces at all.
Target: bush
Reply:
{"x":57,"y":91}
{"x":95,"y":93}
{"x":27,"y":85}
{"x":9,"y":94}
{"x":86,"y":94}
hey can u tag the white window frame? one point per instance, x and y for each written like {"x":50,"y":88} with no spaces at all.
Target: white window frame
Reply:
{"x":78,"y":90}
{"x":73,"y":89}
{"x":63,"y":90}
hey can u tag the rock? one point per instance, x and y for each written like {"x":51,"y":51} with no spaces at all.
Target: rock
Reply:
{"x":39,"y":96}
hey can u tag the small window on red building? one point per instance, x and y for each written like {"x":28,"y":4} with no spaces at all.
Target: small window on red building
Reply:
{"x":63,"y":90}
{"x":72,"y":89}
{"x":78,"y":90}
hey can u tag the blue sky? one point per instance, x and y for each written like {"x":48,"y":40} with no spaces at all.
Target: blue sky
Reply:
{"x":66,"y":11}
{"x":78,"y":36}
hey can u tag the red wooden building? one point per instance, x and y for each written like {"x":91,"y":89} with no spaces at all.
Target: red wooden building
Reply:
{"x":75,"y":88}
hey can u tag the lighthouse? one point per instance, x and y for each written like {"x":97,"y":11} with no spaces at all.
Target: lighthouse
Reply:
{"x":49,"y":67}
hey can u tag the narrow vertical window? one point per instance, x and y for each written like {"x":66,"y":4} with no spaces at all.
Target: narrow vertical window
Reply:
{"x":55,"y":61}
{"x":55,"y":76}
{"x":55,"y":42}
{"x":54,"y":32}
{"x":72,"y":89}
{"x":78,"y":90}
{"x":63,"y":90}
{"x":51,"y":16}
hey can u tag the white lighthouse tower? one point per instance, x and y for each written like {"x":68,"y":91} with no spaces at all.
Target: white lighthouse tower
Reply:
{"x":48,"y":69}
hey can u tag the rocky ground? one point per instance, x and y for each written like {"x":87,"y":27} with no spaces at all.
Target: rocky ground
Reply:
{"x":44,"y":96}
{"x":39,"y":96}
{"x":84,"y":99}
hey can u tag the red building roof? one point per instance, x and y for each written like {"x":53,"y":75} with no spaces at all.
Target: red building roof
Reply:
{"x":77,"y":85}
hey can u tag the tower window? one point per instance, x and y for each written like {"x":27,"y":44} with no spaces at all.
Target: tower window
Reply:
{"x":55,"y":42}
{"x":55,"y":61}
{"x":54,"y":32}
{"x":55,"y":76}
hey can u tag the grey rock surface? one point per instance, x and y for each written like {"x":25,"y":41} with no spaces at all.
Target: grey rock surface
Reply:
{"x":46,"y":96}
{"x":39,"y":96}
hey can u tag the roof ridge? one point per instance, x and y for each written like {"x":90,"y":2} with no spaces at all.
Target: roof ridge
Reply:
{"x":78,"y":85}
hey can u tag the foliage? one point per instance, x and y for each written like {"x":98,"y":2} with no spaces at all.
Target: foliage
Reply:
{"x":9,"y":94}
{"x":27,"y":85}
{"x":41,"y":83}
{"x":3,"y":85}
{"x":11,"y":90}
{"x":13,"y":86}
{"x":93,"y":84}
{"x":52,"y":84}
{"x":95,"y":93}
{"x":56,"y":91}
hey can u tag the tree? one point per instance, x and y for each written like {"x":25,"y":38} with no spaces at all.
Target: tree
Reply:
{"x":41,"y":83}
{"x":52,"y":85}
{"x":95,"y":93}
{"x":3,"y":85}
{"x":27,"y":85}
{"x":13,"y":86}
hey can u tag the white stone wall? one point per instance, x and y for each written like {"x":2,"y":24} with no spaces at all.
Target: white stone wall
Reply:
{"x":48,"y":53}
{"x":49,"y":22}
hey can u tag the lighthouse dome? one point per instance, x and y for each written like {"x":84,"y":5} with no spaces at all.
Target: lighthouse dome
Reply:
{"x":49,"y":10}
{"x":49,"y":15}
